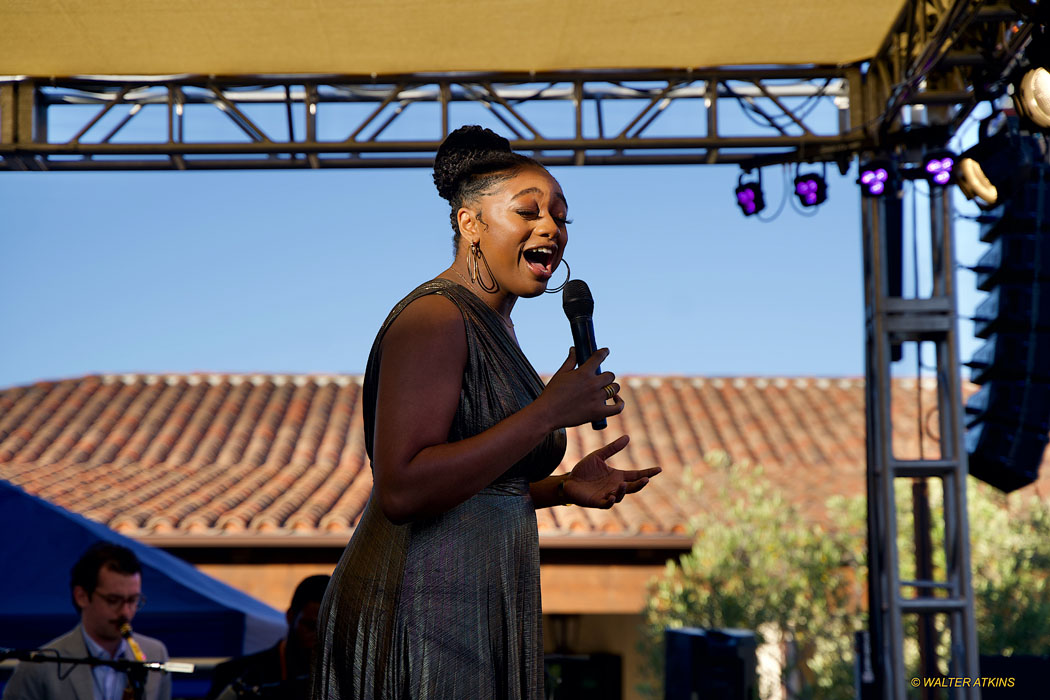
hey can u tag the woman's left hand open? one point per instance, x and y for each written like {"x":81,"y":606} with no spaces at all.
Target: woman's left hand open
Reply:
{"x":592,"y":483}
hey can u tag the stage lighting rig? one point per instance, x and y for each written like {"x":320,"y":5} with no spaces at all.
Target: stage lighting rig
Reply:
{"x":876,"y":176}
{"x":938,"y":167}
{"x":749,"y":195}
{"x":811,"y":188}
{"x":1032,"y":97}
{"x":991,"y":169}
{"x":973,"y":183}
{"x":1031,"y":80}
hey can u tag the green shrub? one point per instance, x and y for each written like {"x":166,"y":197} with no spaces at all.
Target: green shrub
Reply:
{"x":758,"y":563}
{"x":1010,"y":564}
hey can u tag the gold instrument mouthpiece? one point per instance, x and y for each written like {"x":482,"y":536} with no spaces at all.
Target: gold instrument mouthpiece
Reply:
{"x":136,"y":650}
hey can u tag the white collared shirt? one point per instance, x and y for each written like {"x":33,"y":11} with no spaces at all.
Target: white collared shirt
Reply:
{"x":108,"y":682}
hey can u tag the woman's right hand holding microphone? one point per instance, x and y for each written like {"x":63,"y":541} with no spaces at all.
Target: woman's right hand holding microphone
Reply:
{"x":575,"y":396}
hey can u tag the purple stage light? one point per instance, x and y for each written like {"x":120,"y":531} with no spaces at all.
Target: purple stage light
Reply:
{"x":811,"y":189}
{"x":749,"y":198}
{"x":873,"y":179}
{"x":938,"y":167}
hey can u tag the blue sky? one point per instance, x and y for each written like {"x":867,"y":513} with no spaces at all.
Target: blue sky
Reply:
{"x":277,"y":271}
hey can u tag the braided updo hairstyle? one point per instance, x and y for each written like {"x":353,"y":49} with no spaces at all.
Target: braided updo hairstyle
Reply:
{"x":469,"y":162}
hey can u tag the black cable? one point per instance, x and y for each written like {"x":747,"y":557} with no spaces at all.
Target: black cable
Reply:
{"x":808,"y":212}
{"x":783,"y":201}
{"x":809,"y":104}
{"x":533,"y":96}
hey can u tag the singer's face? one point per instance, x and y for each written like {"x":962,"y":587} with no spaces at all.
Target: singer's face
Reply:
{"x":111,"y":604}
{"x":523,"y":235}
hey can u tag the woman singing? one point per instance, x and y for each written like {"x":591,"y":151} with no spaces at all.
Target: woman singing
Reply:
{"x":437,"y":594}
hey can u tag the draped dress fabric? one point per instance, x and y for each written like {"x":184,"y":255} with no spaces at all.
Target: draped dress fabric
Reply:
{"x":449,"y":606}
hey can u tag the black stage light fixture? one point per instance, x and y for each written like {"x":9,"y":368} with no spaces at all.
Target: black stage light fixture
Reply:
{"x":1031,"y":82}
{"x":1032,"y":97}
{"x":972,"y":180}
{"x":938,"y":167}
{"x":876,"y":177}
{"x":749,"y":195}
{"x":811,"y":188}
{"x":992,"y":169}
{"x":1009,"y":418}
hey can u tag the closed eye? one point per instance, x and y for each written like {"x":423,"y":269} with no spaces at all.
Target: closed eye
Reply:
{"x":533,"y":214}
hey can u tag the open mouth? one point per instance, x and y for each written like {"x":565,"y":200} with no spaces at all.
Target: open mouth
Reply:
{"x":540,"y":260}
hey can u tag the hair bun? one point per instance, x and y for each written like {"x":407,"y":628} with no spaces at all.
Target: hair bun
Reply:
{"x":461,"y":153}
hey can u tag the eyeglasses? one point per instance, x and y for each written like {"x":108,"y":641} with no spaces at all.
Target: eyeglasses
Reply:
{"x":116,"y":602}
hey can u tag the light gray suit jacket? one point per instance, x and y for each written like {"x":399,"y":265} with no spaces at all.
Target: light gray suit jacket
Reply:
{"x":41,"y":681}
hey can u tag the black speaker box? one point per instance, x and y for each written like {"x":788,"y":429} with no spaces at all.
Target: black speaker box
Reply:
{"x":1012,"y":258}
{"x":1005,"y":456}
{"x":710,"y":664}
{"x":1014,"y":677}
{"x":1008,"y":419}
{"x":1014,"y":308}
{"x":1011,"y":403}
{"x":1012,"y":357}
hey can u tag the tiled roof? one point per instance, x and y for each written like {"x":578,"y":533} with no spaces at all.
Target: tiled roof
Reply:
{"x":254,"y":456}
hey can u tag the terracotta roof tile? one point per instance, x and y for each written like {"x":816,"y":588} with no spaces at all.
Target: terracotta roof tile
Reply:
{"x":164,"y":455}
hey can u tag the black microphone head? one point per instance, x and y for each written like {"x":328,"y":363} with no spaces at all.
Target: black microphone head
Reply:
{"x":576,"y":299}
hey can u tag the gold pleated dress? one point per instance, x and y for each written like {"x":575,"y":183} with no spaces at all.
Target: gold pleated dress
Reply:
{"x":446,"y":608}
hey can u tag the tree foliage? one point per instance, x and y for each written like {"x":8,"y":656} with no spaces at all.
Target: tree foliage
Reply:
{"x":1010,"y":565}
{"x":759,"y":563}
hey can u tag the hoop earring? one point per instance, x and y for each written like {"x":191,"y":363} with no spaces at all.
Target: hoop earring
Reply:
{"x":475,"y":273}
{"x":568,"y":275}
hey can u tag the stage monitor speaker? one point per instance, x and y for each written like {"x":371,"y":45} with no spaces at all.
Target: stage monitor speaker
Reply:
{"x":1013,"y":677}
{"x":1008,"y":419}
{"x":710,"y":664}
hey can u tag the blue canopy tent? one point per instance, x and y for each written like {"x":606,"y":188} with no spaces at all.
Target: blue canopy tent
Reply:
{"x":192,"y":613}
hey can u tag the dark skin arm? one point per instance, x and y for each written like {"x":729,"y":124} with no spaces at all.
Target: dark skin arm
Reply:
{"x":417,"y":472}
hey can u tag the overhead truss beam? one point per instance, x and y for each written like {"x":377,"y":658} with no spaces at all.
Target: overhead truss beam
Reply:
{"x":938,"y":52}
{"x":799,"y":114}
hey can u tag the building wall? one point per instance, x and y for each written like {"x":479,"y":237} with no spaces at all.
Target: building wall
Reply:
{"x":568,"y":589}
{"x":273,"y":584}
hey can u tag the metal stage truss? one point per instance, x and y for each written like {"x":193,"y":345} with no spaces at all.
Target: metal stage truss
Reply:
{"x":939,"y":60}
{"x":802,"y":114}
{"x":948,"y":57}
{"x":597,"y":118}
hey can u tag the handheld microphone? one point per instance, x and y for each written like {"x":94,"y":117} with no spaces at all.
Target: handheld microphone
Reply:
{"x":579,"y":307}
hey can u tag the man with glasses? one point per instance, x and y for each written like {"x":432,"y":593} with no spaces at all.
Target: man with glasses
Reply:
{"x":106,"y":586}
